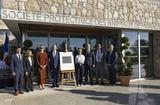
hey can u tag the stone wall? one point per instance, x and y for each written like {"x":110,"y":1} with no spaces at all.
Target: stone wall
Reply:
{"x":144,"y":11}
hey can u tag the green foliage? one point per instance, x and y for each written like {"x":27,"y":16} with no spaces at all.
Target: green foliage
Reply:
{"x":125,"y":62}
{"x":27,"y":44}
{"x":124,"y":47}
{"x":128,"y":53}
{"x":124,"y":40}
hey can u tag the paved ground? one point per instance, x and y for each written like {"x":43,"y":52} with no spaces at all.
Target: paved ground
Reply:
{"x":142,"y":92}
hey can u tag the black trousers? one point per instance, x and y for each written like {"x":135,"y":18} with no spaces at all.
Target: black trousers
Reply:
{"x":79,"y":73}
{"x":29,"y":81}
{"x":88,"y":69}
{"x":55,"y":75}
{"x":112,"y":74}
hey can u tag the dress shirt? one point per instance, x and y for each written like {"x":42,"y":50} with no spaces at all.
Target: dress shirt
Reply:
{"x":98,"y":55}
{"x":80,"y":59}
{"x":19,"y":56}
{"x":54,"y":53}
{"x":30,"y":60}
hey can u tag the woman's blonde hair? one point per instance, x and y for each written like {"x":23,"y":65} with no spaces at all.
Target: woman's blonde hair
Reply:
{"x":27,"y":53}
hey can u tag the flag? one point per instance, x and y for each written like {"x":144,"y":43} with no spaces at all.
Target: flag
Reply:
{"x":6,"y":49}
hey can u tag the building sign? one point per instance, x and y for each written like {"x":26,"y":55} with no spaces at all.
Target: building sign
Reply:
{"x":19,"y":15}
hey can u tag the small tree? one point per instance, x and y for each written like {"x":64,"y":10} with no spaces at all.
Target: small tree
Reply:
{"x":27,"y":44}
{"x":125,"y":63}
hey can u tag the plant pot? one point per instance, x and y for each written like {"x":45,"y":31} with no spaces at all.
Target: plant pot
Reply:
{"x":125,"y":80}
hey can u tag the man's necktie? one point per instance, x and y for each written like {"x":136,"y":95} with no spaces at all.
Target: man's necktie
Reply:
{"x":99,"y":58}
{"x":19,"y":56}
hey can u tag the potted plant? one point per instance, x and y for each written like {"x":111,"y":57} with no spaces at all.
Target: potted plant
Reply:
{"x":124,"y":69}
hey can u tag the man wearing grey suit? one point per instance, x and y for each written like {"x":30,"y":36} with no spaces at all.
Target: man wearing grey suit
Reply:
{"x":18,"y":70}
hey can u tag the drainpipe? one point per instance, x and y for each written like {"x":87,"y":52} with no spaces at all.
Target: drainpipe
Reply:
{"x":139,"y":55}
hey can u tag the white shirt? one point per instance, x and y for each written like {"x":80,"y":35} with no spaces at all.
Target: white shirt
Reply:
{"x":80,"y":59}
{"x":30,"y":60}
{"x":88,"y":50}
{"x":19,"y":55}
{"x":54,"y":53}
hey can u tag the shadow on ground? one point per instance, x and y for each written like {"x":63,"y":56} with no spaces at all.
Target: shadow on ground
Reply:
{"x":121,"y":98}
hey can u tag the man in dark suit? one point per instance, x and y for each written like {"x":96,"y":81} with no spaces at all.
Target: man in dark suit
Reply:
{"x":111,"y":60}
{"x":18,"y":70}
{"x":54,"y":65}
{"x":89,"y":63}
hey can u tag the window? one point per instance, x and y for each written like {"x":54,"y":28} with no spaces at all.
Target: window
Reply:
{"x":58,"y":39}
{"x":144,"y":51}
{"x":38,"y":38}
{"x":76,"y":41}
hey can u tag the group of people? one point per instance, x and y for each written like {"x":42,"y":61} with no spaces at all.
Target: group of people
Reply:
{"x":85,"y":61}
{"x":88,"y":60}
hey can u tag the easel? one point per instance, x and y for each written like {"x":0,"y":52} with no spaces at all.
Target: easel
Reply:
{"x":70,"y":74}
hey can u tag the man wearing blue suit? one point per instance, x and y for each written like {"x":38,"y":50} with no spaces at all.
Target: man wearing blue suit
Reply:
{"x":111,"y":60}
{"x":54,"y":65}
{"x":18,"y":70}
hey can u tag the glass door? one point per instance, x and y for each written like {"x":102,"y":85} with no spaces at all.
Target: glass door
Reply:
{"x":59,"y":39}
{"x":76,"y":41}
{"x":93,"y":40}
{"x":38,"y":38}
{"x":139,"y":48}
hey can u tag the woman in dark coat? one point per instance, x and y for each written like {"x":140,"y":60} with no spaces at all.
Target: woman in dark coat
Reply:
{"x":29,"y":71}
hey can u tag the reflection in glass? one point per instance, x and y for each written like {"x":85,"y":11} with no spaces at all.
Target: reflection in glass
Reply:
{"x":145,"y":51}
{"x":58,"y":39}
{"x":93,"y":41}
{"x":132,"y":36}
{"x":38,"y":39}
{"x":76,"y":42}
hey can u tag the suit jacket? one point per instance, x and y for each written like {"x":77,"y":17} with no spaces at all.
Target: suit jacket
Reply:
{"x":112,"y":58}
{"x":27,"y":67}
{"x":89,"y":58}
{"x":54,"y":61}
{"x":17,"y":65}
{"x":102,"y":52}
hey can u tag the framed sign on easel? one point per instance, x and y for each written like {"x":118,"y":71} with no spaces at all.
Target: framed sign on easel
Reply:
{"x":67,"y":67}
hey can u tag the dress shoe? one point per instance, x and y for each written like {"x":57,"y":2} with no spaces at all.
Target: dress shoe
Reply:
{"x":52,"y":86}
{"x":102,"y":83}
{"x":96,"y":83}
{"x":113,"y":84}
{"x":21,"y":92}
{"x":40,"y":87}
{"x":27,"y":90}
{"x":16,"y":93}
{"x":43,"y":87}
